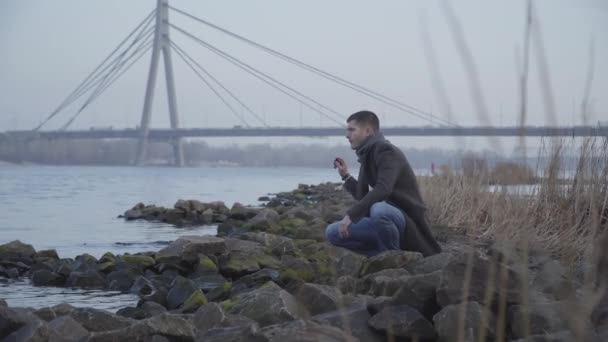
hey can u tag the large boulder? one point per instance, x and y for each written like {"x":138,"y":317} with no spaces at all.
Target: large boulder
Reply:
{"x":541,"y":317}
{"x":353,"y":320}
{"x":477,"y":321}
{"x":95,"y":320}
{"x":181,"y":290}
{"x":245,"y":257}
{"x":365,"y":283}
{"x":33,"y":331}
{"x":485,"y":275}
{"x":169,"y":326}
{"x":17,"y":251}
{"x":187,"y":248}
{"x":266,"y":219}
{"x":47,"y":278}
{"x":390,"y":259}
{"x":212,"y":323}
{"x":278,"y":245}
{"x":319,"y":298}
{"x":402,"y":322}
{"x":122,"y":280}
{"x":431,"y":263}
{"x":306,"y":331}
{"x":86,"y":279}
{"x":66,"y":329}
{"x":266,"y":305}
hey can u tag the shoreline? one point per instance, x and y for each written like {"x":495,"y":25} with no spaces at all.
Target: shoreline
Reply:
{"x":269,"y":272}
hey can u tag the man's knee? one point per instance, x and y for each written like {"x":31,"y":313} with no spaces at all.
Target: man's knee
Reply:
{"x":379,"y":209}
{"x":331,"y":232}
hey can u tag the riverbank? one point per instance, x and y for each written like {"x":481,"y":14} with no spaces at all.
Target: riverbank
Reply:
{"x":269,"y":276}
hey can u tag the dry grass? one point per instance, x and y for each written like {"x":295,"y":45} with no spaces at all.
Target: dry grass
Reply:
{"x":562,"y":217}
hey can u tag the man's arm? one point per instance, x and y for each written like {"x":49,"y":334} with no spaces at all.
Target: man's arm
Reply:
{"x":388,"y":172}
{"x":350,"y":184}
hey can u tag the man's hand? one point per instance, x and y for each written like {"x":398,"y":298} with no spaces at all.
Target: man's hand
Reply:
{"x":340,"y":164}
{"x":343,"y":226}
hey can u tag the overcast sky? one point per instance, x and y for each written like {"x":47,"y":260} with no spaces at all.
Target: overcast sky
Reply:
{"x":48,"y":47}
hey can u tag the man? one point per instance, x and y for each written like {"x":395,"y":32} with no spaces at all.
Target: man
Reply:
{"x":392,"y":215}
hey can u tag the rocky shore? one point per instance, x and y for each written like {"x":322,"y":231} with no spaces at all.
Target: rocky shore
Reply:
{"x":270,"y":276}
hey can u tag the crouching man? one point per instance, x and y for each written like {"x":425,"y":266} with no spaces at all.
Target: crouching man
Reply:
{"x":390,"y":216}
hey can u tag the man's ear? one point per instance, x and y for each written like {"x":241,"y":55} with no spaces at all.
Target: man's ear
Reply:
{"x":369,"y":130}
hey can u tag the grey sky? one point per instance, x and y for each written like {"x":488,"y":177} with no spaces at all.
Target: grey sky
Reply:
{"x":50,"y":46}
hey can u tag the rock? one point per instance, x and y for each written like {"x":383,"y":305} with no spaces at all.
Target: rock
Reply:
{"x":121,"y":280}
{"x":347,"y":284}
{"x":65,"y":328}
{"x":318,"y":299}
{"x":541,"y":317}
{"x":390,"y":259}
{"x":181,"y":290}
{"x":402,"y":321}
{"x":561,"y":336}
{"x":188,"y":248}
{"x":431,"y":263}
{"x":208,"y":316}
{"x":301,"y":213}
{"x":95,"y":320}
{"x":196,"y":300}
{"x":452,"y":282}
{"x":278,"y":245}
{"x":47,"y":278}
{"x":305,"y":331}
{"x":11,"y":320}
{"x":266,"y":305}
{"x":552,"y":278}
{"x":47,"y":253}
{"x":266,"y":219}
{"x":17,"y":251}
{"x":255,"y":280}
{"x":331,"y":262}
{"x":296,"y":269}
{"x":209,"y":282}
{"x":138,"y":261}
{"x":419,"y":292}
{"x":85,"y":262}
{"x":240,"y":212}
{"x":87,"y":279}
{"x":12,"y":273}
{"x":220,"y":293}
{"x":205,"y":266}
{"x":33,"y":331}
{"x":477,"y":320}
{"x":50,"y":313}
{"x":143,"y":311}
{"x":353,"y":321}
{"x":213,"y":324}
{"x":172,"y":327}
{"x":64,"y":267}
{"x":364,"y":284}
{"x":245,"y":257}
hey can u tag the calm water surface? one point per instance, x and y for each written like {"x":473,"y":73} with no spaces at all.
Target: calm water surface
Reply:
{"x":74,"y":210}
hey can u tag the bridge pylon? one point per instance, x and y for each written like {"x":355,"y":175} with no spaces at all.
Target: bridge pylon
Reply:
{"x":161,"y":45}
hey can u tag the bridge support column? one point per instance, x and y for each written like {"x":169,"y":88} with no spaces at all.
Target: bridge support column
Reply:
{"x":161,"y":44}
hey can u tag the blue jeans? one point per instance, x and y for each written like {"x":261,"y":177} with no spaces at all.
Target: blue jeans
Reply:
{"x":372,"y":235}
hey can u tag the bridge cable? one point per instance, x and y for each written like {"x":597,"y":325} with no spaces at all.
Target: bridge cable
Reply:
{"x":346,"y":83}
{"x":92,"y":82}
{"x":112,"y":76}
{"x":70,"y":97}
{"x":234,"y":111}
{"x":256,"y":73}
{"x":184,"y":53}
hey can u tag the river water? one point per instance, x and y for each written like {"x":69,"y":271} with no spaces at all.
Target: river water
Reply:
{"x":75,"y":210}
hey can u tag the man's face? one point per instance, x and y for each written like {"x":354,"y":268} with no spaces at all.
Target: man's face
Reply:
{"x":357,"y":133}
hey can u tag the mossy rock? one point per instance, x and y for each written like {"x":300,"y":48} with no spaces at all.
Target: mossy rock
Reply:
{"x":297,"y":269}
{"x":196,"y":300}
{"x":206,"y":265}
{"x":220,"y":292}
{"x":238,"y":264}
{"x":139,"y":261}
{"x":107,"y":267}
{"x":107,"y":256}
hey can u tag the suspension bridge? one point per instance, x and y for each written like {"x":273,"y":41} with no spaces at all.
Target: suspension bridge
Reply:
{"x":153,"y":34}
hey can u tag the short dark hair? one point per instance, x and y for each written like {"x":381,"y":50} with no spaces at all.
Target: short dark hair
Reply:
{"x":365,"y":117}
